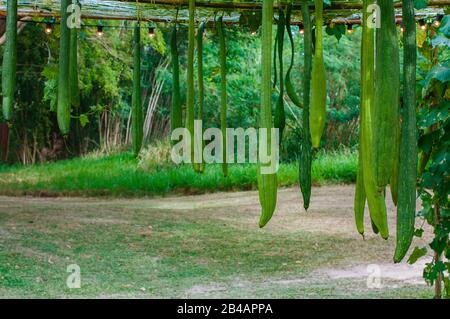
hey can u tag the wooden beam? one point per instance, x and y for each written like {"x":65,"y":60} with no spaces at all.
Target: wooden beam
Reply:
{"x":347,"y":5}
{"x":336,"y":6}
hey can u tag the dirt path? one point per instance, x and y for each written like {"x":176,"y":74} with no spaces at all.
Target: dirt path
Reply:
{"x":203,"y":246}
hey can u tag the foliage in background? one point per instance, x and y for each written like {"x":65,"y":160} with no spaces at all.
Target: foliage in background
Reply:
{"x":102,"y":120}
{"x":122,"y":175}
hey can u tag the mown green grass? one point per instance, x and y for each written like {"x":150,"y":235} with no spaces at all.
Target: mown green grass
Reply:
{"x":139,"y":248}
{"x":120,"y":175}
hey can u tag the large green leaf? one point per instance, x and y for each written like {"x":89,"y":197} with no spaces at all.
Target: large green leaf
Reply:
{"x":435,"y":115}
{"x":440,"y":41}
{"x":416,"y":254}
{"x":338,"y":30}
{"x":439,"y":72}
{"x":445,"y":26}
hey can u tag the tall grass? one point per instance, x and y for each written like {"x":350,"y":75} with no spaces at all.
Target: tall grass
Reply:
{"x":122,"y":175}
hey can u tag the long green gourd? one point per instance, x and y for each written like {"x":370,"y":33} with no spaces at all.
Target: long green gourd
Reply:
{"x":64,"y":103}
{"x":406,"y":207}
{"x":73,"y":69}
{"x":305,"y":146}
{"x":393,"y":181}
{"x":190,"y":96}
{"x":288,"y":82}
{"x":275,"y":54}
{"x":9,"y":60}
{"x":223,"y":92}
{"x":387,"y":85}
{"x":360,"y":192}
{"x":375,"y":197}
{"x":267,"y":183}
{"x":176,"y":112}
{"x":318,"y":82}
{"x":201,"y":94}
{"x":280,"y":116}
{"x":136,"y":105}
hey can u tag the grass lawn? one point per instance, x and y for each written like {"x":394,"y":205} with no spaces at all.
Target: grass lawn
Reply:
{"x":120,"y":175}
{"x":195,"y":246}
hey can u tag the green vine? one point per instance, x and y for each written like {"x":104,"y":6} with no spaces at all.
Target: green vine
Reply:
{"x":433,"y":122}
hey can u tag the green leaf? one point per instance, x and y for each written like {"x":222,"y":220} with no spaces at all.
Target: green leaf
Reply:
{"x":84,"y":120}
{"x":439,"y":266}
{"x":439,"y":75}
{"x":432,"y":270}
{"x":445,"y":212}
{"x":416,"y":254}
{"x":438,"y":245}
{"x":338,"y":30}
{"x":445,"y":26}
{"x":439,"y":40}
{"x":426,"y":142}
{"x":438,"y":72}
{"x":435,"y":115}
{"x":327,"y":3}
{"x":420,"y":4}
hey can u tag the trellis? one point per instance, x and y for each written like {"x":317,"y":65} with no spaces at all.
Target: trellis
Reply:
{"x":165,"y":10}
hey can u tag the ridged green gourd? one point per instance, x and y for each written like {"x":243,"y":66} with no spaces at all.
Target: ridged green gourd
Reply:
{"x":360,"y":192}
{"x":64,"y":103}
{"x":407,"y":176}
{"x":73,"y":69}
{"x":267,"y":183}
{"x":275,"y":54}
{"x":9,"y":60}
{"x":375,"y":197}
{"x":290,"y":90}
{"x":190,"y":96}
{"x":136,"y":105}
{"x":305,"y":162}
{"x":201,"y":88}
{"x":393,"y":181}
{"x":318,"y":82}
{"x":387,"y":88}
{"x":176,"y":111}
{"x":223,"y":92}
{"x":280,"y":116}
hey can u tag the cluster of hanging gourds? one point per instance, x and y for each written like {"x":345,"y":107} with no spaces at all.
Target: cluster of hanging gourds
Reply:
{"x":191,"y":115}
{"x":314,"y":97}
{"x":68,"y":95}
{"x":387,"y":147}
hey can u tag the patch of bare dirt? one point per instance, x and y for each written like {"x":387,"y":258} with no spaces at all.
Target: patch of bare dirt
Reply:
{"x":401,"y":274}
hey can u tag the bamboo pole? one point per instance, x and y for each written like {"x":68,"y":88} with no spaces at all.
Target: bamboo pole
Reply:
{"x":26,"y":17}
